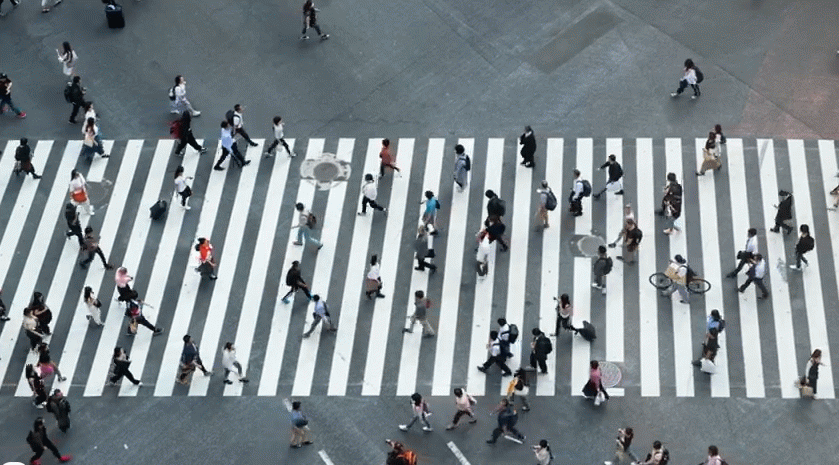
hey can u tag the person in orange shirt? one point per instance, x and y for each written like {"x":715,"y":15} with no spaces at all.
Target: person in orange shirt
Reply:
{"x":388,"y":160}
{"x":207,"y":263}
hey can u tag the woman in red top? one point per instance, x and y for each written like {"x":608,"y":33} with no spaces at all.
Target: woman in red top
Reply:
{"x":388,"y":160}
{"x":205,"y":257}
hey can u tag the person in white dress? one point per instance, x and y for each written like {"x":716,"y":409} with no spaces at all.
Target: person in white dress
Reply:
{"x":67,"y":57}
{"x":93,"y":306}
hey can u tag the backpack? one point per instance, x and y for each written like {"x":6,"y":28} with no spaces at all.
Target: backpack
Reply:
{"x":699,"y":76}
{"x":229,"y":117}
{"x":586,"y":188}
{"x":608,"y":268}
{"x":550,"y":200}
{"x":172,"y":93}
{"x":437,"y":204}
{"x":544,"y":345}
{"x":587,"y":331}
{"x":665,"y":457}
{"x":158,"y":209}
{"x":468,"y":165}
{"x":721,"y":325}
{"x":175,"y":129}
{"x":513,"y":334}
{"x":311,"y":220}
{"x":68,"y":94}
{"x":33,"y":441}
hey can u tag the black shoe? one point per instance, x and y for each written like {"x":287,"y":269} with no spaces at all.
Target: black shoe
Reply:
{"x":246,"y":163}
{"x":775,"y":229}
{"x":253,"y":144}
{"x":244,"y":380}
{"x":490,"y":441}
{"x":203,"y":150}
{"x":4,"y":318}
{"x":733,"y":274}
{"x":432,"y":270}
{"x":482,"y":369}
{"x":38,"y":176}
{"x":227,"y":381}
{"x":218,"y":168}
{"x":72,"y":121}
{"x":696,"y":363}
{"x":788,"y":230}
{"x":620,"y":192}
{"x":419,"y":269}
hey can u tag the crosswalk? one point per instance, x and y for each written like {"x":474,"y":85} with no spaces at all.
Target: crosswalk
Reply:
{"x":249,"y":213}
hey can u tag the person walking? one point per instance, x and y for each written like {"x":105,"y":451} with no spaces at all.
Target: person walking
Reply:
{"x":6,"y":97}
{"x":67,"y":57}
{"x":564,"y":312}
{"x":92,"y":143}
{"x":504,"y":330}
{"x":4,"y":314}
{"x":463,"y":406}
{"x":123,"y":280}
{"x":181,"y":187}
{"x":578,"y":191}
{"x":387,"y":159}
{"x":811,"y":371}
{"x":94,"y":306}
{"x":295,"y":281}
{"x":91,"y":246}
{"x":622,"y":443}
{"x":495,"y":356}
{"x":58,"y":405}
{"x":46,"y":367}
{"x":190,"y":360}
{"x":692,"y":77}
{"x":593,"y":389}
{"x":279,"y":138}
{"x":135,"y":312}
{"x":228,"y":146}
{"x":78,"y":192}
{"x":671,"y":204}
{"x":507,"y":419}
{"x":784,"y":213}
{"x":756,"y":273}
{"x":30,"y":328}
{"x":373,"y":281}
{"x":231,"y":364}
{"x":305,"y":222}
{"x":713,"y":457}
{"x":543,"y":452}
{"x":518,"y":387}
{"x":615,"y":183}
{"x":601,"y":267}
{"x":185,"y":136}
{"x":321,"y":313}
{"x":206,"y":259}
{"x":496,"y":209}
{"x":300,"y":434}
{"x":677,"y":271}
{"x":657,"y":456}
{"x":74,"y":227}
{"x":177,"y":97}
{"x":23,"y":156}
{"x":540,"y":347}
{"x":429,"y":216}
{"x":369,"y":192}
{"x":631,"y":236}
{"x":421,"y":306}
{"x":528,"y":147}
{"x":423,"y":252}
{"x":310,"y":19}
{"x":710,"y":155}
{"x":119,"y":368}
{"x":15,"y":3}
{"x":462,"y":166}
{"x":710,"y":347}
{"x":39,"y":442}
{"x":745,"y":255}
{"x":420,"y":412}
{"x":41,"y":312}
{"x":547,"y":202}
{"x":36,"y":383}
{"x":805,"y":244}
{"x":237,"y":121}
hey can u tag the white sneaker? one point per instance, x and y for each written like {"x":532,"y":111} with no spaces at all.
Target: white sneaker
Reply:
{"x":427,"y":429}
{"x":403,"y":427}
{"x":196,"y":113}
{"x":674,"y":94}
{"x":187,"y":207}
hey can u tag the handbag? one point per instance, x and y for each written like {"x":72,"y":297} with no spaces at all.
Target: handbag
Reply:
{"x":708,"y":366}
{"x":301,"y":422}
{"x":79,"y":196}
{"x":599,"y":398}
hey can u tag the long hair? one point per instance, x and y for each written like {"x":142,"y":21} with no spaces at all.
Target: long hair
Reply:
{"x":179,"y":171}
{"x":67,"y":49}
{"x":88,"y":291}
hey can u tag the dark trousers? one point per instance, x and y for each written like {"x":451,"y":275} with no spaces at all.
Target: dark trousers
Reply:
{"x":422,"y":264}
{"x":187,"y":193}
{"x":75,"y":112}
{"x":365,"y":201}
{"x":510,"y":429}
{"x":47,"y":445}
{"x":527,"y":157}
{"x":76,"y":230}
{"x":501,"y":361}
{"x":120,"y":372}
{"x":187,"y":138}
{"x":387,"y":165}
{"x":564,"y":323}
{"x":317,"y":28}
{"x":237,"y":157}
{"x":576,"y":206}
{"x":275,"y":143}
{"x":782,"y":224}
{"x":34,"y":339}
{"x":743,"y":262}
{"x":758,"y":282}
{"x":141,"y":320}
{"x":40,"y":396}
{"x":459,"y":414}
{"x":295,"y":288}
{"x":92,"y":254}
{"x":241,"y":131}
{"x":683,"y":84}
{"x":799,"y":257}
{"x":541,"y":361}
{"x":6,"y":100}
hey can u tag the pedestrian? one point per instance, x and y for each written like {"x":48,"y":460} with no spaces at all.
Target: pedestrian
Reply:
{"x":462,"y":166}
{"x":39,"y":442}
{"x":228,"y":147}
{"x":306,"y":221}
{"x":811,"y":371}
{"x":36,"y":383}
{"x":756,"y":273}
{"x":78,"y":192}
{"x":388,"y":160}
{"x":295,"y":281}
{"x":710,"y":347}
{"x":58,"y":405}
{"x":310,"y":19}
{"x":399,"y":454}
{"x":631,"y":236}
{"x":181,"y":187}
{"x":23,"y":158}
{"x":74,"y":227}
{"x":14,"y":5}
{"x":300,"y":434}
{"x":622,"y":443}
{"x":784,"y":213}
{"x":671,"y":204}
{"x":75,"y":95}
{"x":321,"y":313}
{"x":710,"y":155}
{"x":185,"y":135}
{"x":41,"y":312}
{"x":657,"y":456}
{"x":4,"y":314}
{"x":715,"y":321}
{"x":279,"y":138}
{"x":91,"y":246}
{"x":6,"y":97}
{"x":134,"y":311}
{"x":90,"y":112}
{"x":92,"y":143}
{"x":564,"y":312}
{"x":543,"y":452}
{"x":237,"y":122}
{"x":483,"y":251}
{"x":518,"y":387}
{"x":495,"y":356}
{"x":423,"y":252}
{"x":206,"y":258}
{"x":547,"y":202}
{"x":369,"y":192}
{"x":594,"y":389}
{"x":692,"y":76}
{"x":678,"y":272}
{"x":745,"y":255}
{"x":190,"y":360}
{"x":421,"y":306}
{"x":120,"y":363}
{"x":46,"y":367}
{"x":463,"y":403}
{"x":496,"y":207}
{"x":714,"y":457}
{"x":123,"y":281}
{"x":30,"y":328}
{"x":494,"y":229}
{"x":229,"y":362}
{"x":601,"y":267}
{"x":578,"y":191}
{"x":94,"y":306}
{"x":429,"y":216}
{"x":805,"y":244}
{"x":540,"y":347}
{"x":420,"y":411}
{"x":177,"y":97}
{"x":373,"y":281}
{"x":504,"y":331}
{"x":528,"y":147}
{"x":507,"y":419}
{"x":67,"y":57}
{"x":615,"y":183}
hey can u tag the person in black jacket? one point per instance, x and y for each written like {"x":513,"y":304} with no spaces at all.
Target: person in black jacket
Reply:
{"x":186,"y":136}
{"x":496,"y":209}
{"x":540,"y":348}
{"x":58,"y":405}
{"x":528,"y":147}
{"x":615,"y":182}
{"x":784,"y":212}
{"x":39,"y":442}
{"x":805,"y":244}
{"x":23,"y":155}
{"x":76,"y":98}
{"x":73,"y":225}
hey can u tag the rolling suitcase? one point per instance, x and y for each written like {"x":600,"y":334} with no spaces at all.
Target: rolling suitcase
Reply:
{"x":587,"y":331}
{"x":113,"y":13}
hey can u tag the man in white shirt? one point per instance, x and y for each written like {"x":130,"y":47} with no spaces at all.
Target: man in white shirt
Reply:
{"x":575,"y":199}
{"x":239,"y":124}
{"x":321,"y":313}
{"x":746,"y":255}
{"x":229,"y":362}
{"x":369,"y":193}
{"x":495,"y":356}
{"x":756,"y":274}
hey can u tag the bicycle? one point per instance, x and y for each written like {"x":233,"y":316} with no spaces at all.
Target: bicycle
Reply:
{"x":696,"y":285}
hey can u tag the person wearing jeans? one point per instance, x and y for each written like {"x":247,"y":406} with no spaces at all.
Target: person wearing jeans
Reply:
{"x":6,"y":97}
{"x":420,"y":411}
{"x":304,"y":229}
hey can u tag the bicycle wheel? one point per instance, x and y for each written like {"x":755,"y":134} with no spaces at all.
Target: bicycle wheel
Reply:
{"x":660,"y":281}
{"x":699,"y":286}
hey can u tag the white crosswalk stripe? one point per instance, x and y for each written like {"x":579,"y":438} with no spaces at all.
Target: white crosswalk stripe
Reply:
{"x":651,"y":338}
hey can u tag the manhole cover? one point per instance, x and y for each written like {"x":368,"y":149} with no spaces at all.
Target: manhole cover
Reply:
{"x":610,"y":374}
{"x":588,"y":245}
{"x":97,"y":192}
{"x":326,"y":171}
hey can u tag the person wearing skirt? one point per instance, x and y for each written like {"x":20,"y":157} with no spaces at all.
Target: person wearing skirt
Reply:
{"x":710,"y":155}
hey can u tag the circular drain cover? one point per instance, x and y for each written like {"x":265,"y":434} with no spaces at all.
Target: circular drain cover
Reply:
{"x":588,"y":245}
{"x":325,"y":171}
{"x":610,"y":374}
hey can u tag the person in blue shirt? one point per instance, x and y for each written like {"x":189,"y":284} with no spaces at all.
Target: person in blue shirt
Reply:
{"x":228,"y":146}
{"x":299,"y":427}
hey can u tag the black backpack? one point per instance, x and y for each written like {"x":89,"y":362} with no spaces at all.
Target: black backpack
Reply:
{"x":721,"y":325}
{"x":158,"y":209}
{"x":468,"y":163}
{"x":543,"y":344}
{"x":586,"y":188}
{"x":550,"y":200}
{"x":608,"y":268}
{"x":513,"y":334}
{"x":229,"y":117}
{"x":665,"y":457}
{"x":68,"y":94}
{"x":699,"y":76}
